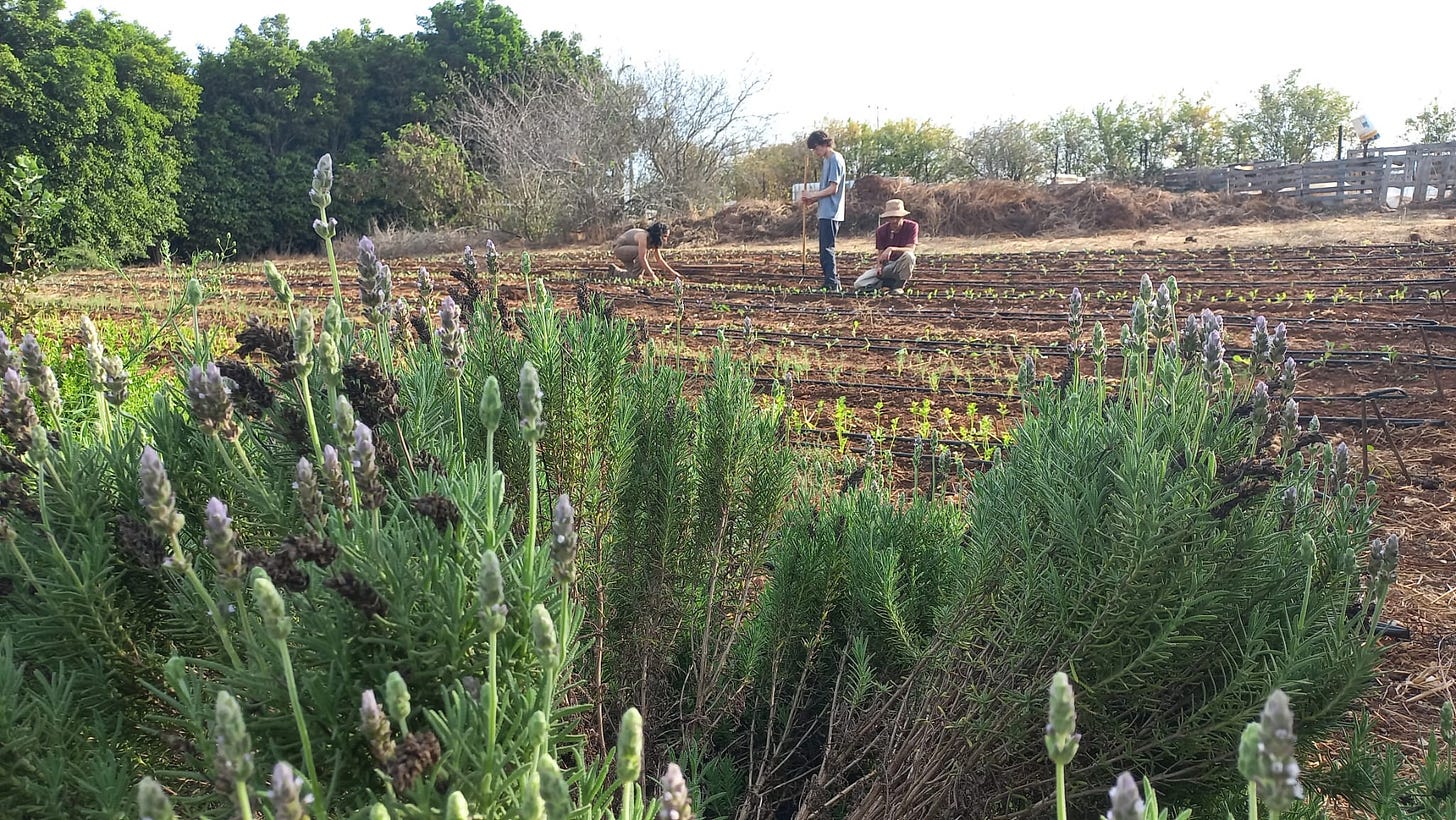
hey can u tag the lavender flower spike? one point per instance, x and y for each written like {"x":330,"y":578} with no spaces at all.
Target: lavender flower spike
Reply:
{"x":451,"y":336}
{"x":208,"y":396}
{"x":219,"y":537}
{"x":1127,"y":800}
{"x":323,"y":182}
{"x":1074,"y":315}
{"x":563,"y":540}
{"x":1260,"y":343}
{"x":310,"y":499}
{"x":366,"y":470}
{"x":157,"y":496}
{"x":116,"y":380}
{"x":95,"y":353}
{"x":1278,"y":784}
{"x":287,"y":794}
{"x":529,"y":398}
{"x":1213,"y":356}
{"x":17,"y":410}
{"x":375,"y":726}
{"x":674,"y":803}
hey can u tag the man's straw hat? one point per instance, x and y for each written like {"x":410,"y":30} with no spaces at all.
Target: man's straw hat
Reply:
{"x":894,"y":207}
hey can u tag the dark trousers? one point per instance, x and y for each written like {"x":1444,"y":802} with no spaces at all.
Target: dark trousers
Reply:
{"x":828,"y":233}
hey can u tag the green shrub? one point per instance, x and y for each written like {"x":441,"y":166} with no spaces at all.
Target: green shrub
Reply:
{"x":1149,"y":537}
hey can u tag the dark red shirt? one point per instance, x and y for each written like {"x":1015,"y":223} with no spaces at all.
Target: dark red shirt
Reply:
{"x":906,"y":237}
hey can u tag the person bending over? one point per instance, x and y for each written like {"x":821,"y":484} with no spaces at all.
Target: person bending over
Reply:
{"x":895,"y":251}
{"x":638,"y":248}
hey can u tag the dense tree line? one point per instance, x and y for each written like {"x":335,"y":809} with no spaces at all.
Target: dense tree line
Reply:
{"x":472,"y":121}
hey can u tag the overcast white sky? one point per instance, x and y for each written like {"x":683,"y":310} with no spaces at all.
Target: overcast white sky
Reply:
{"x":959,"y":62}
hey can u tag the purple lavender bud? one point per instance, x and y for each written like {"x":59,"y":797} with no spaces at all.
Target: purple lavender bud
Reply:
{"x":94,"y":352}
{"x":17,"y":410}
{"x":1259,"y":342}
{"x":1213,"y":356}
{"x":1163,"y":312}
{"x":1278,"y":784}
{"x":334,"y":481}
{"x":529,"y":398}
{"x":156,"y":495}
{"x":1190,"y":341}
{"x":470,"y":266}
{"x":1339,"y":465}
{"x":1127,"y":800}
{"x":1287,"y":377}
{"x":1145,"y":289}
{"x":375,"y":727}
{"x":9,"y":357}
{"x":32,"y":356}
{"x":674,"y":802}
{"x":451,"y":336}
{"x":218,"y":536}
{"x":366,"y":470}
{"x":116,"y":380}
{"x":371,"y":276}
{"x":1289,"y":425}
{"x":426,"y":285}
{"x":287,"y":794}
{"x":208,"y":396}
{"x":1260,"y":400}
{"x":323,"y":182}
{"x":1074,"y":316}
{"x":39,"y":373}
{"x":1279,"y":343}
{"x":563,"y":540}
{"x":310,"y":498}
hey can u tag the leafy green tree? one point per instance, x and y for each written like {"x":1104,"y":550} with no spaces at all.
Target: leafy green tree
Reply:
{"x":427,"y":175}
{"x":1070,"y":139}
{"x":1291,"y":122}
{"x":768,"y":172}
{"x":922,"y":150}
{"x":477,"y":40}
{"x":101,"y":103}
{"x":1007,"y":149}
{"x":259,"y":131}
{"x":1198,"y":133}
{"x":1433,"y":124}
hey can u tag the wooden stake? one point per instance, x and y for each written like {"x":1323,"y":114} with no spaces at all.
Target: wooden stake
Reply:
{"x":804,"y":225}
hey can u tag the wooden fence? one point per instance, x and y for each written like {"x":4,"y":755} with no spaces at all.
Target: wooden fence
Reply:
{"x":1383,"y":177}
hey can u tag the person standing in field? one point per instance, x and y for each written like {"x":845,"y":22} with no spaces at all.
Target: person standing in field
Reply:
{"x":894,"y":251}
{"x":636,"y":247}
{"x":830,"y":197}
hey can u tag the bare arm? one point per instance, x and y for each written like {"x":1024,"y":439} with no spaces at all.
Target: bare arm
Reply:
{"x":665,"y":266}
{"x":643,"y":255}
{"x":815,"y":196}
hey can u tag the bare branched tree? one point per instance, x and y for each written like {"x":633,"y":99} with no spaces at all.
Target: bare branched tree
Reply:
{"x":691,"y":128}
{"x":554,"y":150}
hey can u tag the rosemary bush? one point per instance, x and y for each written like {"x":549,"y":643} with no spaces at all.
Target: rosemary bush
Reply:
{"x":1154,"y":536}
{"x":353,"y":549}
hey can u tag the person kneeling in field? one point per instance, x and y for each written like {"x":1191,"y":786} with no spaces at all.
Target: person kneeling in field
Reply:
{"x":636,"y":247}
{"x":895,"y":251}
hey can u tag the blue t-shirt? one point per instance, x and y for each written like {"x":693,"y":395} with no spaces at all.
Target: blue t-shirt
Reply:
{"x":832,"y":170}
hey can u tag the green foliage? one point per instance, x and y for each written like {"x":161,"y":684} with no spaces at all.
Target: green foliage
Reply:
{"x":1007,"y":149}
{"x":1139,"y":540}
{"x":102,"y":104}
{"x":921,"y":150}
{"x":27,"y":215}
{"x":1291,"y":122}
{"x":1432,"y":124}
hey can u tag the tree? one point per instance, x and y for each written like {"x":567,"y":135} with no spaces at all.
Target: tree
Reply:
{"x":1007,"y":149}
{"x":27,"y":221}
{"x":1197,"y":134}
{"x":553,"y":150}
{"x":427,"y":175}
{"x":259,"y":132}
{"x":690,"y":129}
{"x":1070,"y":139}
{"x":1290,"y":122}
{"x":768,"y":172}
{"x":476,"y":40}
{"x":101,"y":103}
{"x":1433,"y":124}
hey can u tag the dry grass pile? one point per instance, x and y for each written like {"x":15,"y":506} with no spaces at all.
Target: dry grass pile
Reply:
{"x":998,"y":207}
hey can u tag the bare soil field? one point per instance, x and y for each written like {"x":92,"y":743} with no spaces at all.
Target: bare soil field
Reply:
{"x":1366,"y":304}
